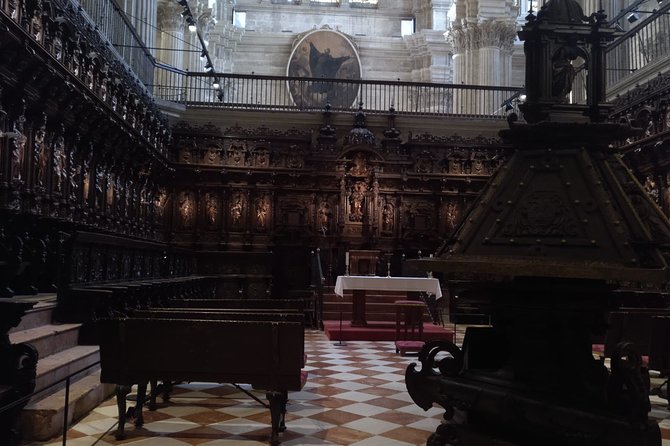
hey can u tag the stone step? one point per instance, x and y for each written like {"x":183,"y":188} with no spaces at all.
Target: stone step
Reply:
{"x":48,"y":339}
{"x":43,"y":420}
{"x":54,"y":368}
{"x":40,"y":314}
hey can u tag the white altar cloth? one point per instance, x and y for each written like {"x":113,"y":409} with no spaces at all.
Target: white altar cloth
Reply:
{"x":425,"y":284}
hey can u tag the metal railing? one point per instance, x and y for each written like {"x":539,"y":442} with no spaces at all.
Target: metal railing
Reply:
{"x":67,"y":380}
{"x":113,"y":24}
{"x":259,"y":92}
{"x":642,"y":46}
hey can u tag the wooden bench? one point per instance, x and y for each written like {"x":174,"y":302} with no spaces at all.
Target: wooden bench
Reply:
{"x":267,"y":355}
{"x":244,"y":304}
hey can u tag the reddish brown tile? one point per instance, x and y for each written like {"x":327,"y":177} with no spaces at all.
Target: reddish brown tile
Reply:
{"x":342,"y":435}
{"x":336,"y":417}
{"x":398,"y":417}
{"x":408,"y":435}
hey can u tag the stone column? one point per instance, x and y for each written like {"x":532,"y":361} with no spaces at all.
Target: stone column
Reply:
{"x":170,"y":38}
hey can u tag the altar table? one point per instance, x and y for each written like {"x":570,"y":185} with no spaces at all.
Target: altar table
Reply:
{"x":359,"y":284}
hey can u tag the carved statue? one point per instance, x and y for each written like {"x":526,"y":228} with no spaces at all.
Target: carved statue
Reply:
{"x":236,"y":211}
{"x":18,"y":146}
{"x":360,"y":167}
{"x":262,"y":208}
{"x":60,"y":163}
{"x":563,"y":73}
{"x":388,"y":218}
{"x":159,"y":204}
{"x":211,"y":208}
{"x":651,"y":188}
{"x":323,"y":215}
{"x":186,"y":209}
{"x":356,"y":200}
{"x":452,"y":216}
{"x":39,"y":148}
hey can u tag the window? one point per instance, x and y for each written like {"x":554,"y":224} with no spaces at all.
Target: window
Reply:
{"x":407,"y":27}
{"x":325,"y":2}
{"x":286,"y":2}
{"x":240,"y":19}
{"x":363,"y":3}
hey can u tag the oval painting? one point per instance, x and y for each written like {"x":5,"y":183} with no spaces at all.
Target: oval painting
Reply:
{"x":328,"y":55}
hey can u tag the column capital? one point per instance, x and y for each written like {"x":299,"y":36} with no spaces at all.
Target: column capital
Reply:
{"x":169,"y":16}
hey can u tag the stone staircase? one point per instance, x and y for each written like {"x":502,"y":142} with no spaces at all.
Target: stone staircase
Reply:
{"x":60,"y":355}
{"x":379,"y":305}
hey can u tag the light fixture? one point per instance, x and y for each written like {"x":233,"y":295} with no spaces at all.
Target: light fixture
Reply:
{"x":216,"y":83}
{"x":209,"y":67}
{"x":633,"y":17}
{"x":191,"y":25}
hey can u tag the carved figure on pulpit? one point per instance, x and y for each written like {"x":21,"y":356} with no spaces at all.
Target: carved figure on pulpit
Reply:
{"x":356,"y":201}
{"x":262,"y":208}
{"x":236,"y":211}
{"x":186,"y":209}
{"x":563,"y":73}
{"x":388,"y":218}
{"x":211,"y":208}
{"x":651,"y":188}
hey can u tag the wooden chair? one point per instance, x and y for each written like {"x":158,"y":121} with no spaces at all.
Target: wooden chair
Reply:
{"x":408,"y":326}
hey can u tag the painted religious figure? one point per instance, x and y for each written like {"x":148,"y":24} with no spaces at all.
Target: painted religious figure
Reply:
{"x":324,"y":54}
{"x":451,"y":216}
{"x":360,"y":165}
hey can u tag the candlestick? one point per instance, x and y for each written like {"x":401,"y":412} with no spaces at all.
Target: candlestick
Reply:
{"x":388,"y":269}
{"x":346,"y":258}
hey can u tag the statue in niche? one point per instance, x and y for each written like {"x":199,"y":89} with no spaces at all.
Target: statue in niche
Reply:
{"x":59,"y":162}
{"x":99,"y":185}
{"x":186,"y":209}
{"x":388,"y":218}
{"x":211,"y":208}
{"x":39,"y":150}
{"x":236,"y":211}
{"x":111,"y":182}
{"x":18,"y":146}
{"x":563,"y":73}
{"x":262,"y":208}
{"x":42,"y":164}
{"x":360,"y":165}
{"x":323,"y":216}
{"x":451,"y":216}
{"x":160,"y":202}
{"x":356,"y":200}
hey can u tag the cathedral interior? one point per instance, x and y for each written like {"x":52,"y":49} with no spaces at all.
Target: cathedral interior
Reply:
{"x":241,"y":149}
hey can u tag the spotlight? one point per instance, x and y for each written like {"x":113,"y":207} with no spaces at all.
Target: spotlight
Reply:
{"x":522,"y":98}
{"x":191,"y":25}
{"x":216,"y":83}
{"x":634,"y":17}
{"x":183,"y":3}
{"x":203,"y":54}
{"x":209,"y":67}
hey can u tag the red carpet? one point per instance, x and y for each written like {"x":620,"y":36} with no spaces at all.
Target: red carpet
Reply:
{"x":380,"y":331}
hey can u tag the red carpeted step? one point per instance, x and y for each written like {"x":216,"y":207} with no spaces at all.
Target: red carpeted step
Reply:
{"x":380,"y":331}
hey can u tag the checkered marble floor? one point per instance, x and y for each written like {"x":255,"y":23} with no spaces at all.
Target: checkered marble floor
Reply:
{"x":355,"y":395}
